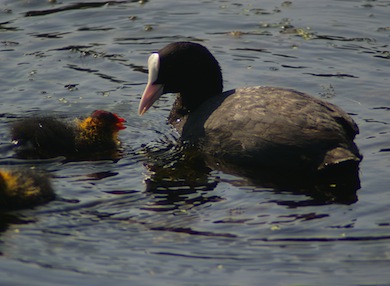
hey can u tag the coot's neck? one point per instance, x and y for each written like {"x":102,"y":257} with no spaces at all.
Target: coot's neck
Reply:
{"x":186,"y":103}
{"x":189,"y":100}
{"x":178,"y":112}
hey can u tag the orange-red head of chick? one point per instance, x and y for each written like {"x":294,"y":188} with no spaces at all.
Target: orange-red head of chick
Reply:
{"x":100,"y":129}
{"x":111,"y":120}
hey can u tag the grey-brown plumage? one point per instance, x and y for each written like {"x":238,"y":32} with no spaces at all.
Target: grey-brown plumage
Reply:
{"x":254,"y":126}
{"x":267,"y":126}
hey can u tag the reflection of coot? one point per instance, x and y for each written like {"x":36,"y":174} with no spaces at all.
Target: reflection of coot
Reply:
{"x":176,"y":177}
{"x":251,"y":127}
{"x":45,"y":137}
{"x":23,"y":189}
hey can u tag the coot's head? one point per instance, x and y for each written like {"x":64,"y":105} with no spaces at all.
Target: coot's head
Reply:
{"x":108,"y":119}
{"x":185,"y":68}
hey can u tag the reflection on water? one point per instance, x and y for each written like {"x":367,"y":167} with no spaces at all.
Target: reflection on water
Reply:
{"x":163,"y":215}
{"x":74,"y":6}
{"x":191,"y":173}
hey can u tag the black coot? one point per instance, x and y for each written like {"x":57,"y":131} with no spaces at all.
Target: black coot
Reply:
{"x":252,"y":126}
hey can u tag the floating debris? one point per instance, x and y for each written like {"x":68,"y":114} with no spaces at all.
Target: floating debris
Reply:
{"x":148,"y":28}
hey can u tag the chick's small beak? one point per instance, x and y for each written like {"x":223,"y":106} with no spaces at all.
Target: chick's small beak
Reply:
{"x":119,"y":125}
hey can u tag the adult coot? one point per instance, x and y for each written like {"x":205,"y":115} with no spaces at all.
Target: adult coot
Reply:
{"x":253,"y":126}
{"x":45,"y":137}
{"x":24,"y":188}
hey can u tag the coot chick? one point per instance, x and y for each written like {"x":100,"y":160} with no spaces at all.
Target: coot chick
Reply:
{"x":24,"y":188}
{"x":45,"y":137}
{"x":252,"y":126}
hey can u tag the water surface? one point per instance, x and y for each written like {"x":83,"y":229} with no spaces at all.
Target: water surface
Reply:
{"x":123,"y":222}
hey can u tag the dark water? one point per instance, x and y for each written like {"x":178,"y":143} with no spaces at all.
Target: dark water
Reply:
{"x":127,"y":223}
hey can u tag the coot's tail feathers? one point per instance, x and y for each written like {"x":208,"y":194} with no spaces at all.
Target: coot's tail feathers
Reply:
{"x":340,"y":172}
{"x":340,"y":158}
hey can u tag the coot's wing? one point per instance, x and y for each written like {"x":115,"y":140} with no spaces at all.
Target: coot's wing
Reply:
{"x":269,"y":124}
